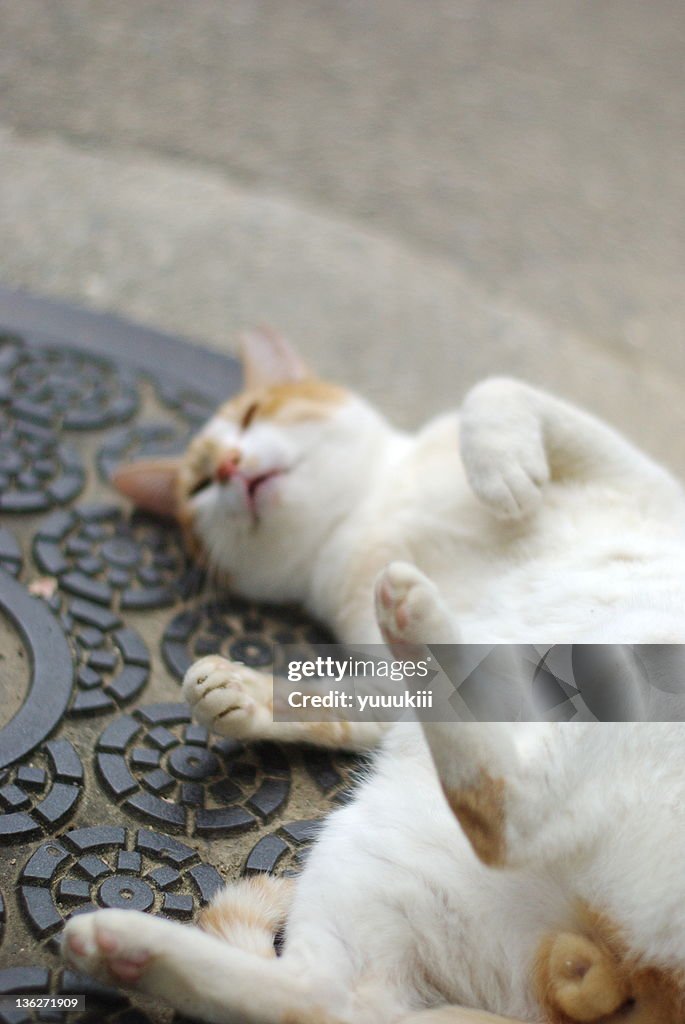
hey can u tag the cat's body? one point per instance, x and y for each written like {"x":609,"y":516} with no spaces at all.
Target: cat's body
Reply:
{"x":561,"y":897}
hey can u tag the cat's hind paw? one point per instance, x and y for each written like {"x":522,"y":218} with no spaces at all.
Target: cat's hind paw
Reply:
{"x":110,"y":945}
{"x":410,"y":611}
{"x":227,"y":697}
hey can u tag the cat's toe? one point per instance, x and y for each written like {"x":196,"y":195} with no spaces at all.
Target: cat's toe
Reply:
{"x":203,"y":675}
{"x":107,"y":945}
{"x":507,"y":469}
{"x":409,"y":609}
{"x":225,"y":696}
{"x":510,"y":490}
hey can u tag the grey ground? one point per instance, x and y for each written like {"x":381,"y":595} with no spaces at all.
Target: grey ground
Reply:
{"x":419,"y":192}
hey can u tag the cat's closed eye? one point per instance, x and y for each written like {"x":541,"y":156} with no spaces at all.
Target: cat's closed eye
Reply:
{"x":249,"y":415}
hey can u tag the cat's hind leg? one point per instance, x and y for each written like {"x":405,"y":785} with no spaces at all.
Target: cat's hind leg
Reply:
{"x":485,"y":775}
{"x":196,"y":973}
{"x":409,"y":608}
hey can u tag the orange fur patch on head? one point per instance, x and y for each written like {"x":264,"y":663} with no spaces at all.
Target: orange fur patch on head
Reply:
{"x":293,"y":401}
{"x":289,"y":402}
{"x":589,"y":977}
{"x":480,"y":810}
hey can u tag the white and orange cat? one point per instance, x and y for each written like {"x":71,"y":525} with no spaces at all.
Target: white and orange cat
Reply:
{"x":482,"y":872}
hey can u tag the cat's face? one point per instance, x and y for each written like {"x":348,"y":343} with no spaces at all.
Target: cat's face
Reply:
{"x":269,"y":476}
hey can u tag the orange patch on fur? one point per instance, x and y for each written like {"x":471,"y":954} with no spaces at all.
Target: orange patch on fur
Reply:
{"x":250,"y":912}
{"x":480,"y":810}
{"x":589,"y":977}
{"x":290,"y":402}
{"x":218,"y":919}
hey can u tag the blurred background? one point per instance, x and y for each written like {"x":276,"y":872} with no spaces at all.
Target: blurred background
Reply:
{"x":419,"y":192}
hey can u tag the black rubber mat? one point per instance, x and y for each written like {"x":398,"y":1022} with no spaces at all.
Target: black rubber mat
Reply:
{"x":109,"y":794}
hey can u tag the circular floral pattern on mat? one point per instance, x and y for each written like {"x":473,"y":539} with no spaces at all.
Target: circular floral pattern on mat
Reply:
{"x":37,"y":470}
{"x":65,"y":388}
{"x":166,"y":769}
{"x":144,"y":440}
{"x":239,"y":630}
{"x":39,"y":793}
{"x":109,"y":866}
{"x":101,"y":554}
{"x":112,"y":660}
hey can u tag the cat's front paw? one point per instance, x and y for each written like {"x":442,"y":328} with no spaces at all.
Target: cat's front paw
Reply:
{"x":226,"y":696}
{"x":410,"y":611}
{"x":110,"y":945}
{"x":509,"y":482}
{"x":502,"y":449}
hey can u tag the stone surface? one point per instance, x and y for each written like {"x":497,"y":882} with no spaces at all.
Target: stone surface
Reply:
{"x":451,"y":189}
{"x":539,"y":146}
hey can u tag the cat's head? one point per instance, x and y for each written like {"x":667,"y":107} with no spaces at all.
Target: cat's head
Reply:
{"x":270,"y":476}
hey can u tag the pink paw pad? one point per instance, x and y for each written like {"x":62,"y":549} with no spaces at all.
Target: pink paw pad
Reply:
{"x":129,"y":969}
{"x":76,"y":945}
{"x":126,"y":966}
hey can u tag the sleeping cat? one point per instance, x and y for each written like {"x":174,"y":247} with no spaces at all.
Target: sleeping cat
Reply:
{"x":531,"y":872}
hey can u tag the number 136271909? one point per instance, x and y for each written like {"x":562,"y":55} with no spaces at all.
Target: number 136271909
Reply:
{"x":28,"y":1001}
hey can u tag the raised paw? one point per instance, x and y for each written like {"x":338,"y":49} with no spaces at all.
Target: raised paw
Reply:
{"x":510,"y":491}
{"x":502,"y":449}
{"x":110,"y":945}
{"x":410,"y":611}
{"x":228,"y":697}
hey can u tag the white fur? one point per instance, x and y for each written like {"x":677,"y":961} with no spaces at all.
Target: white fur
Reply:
{"x":547,"y":527}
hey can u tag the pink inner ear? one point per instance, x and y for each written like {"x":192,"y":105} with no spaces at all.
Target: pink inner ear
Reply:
{"x":269,"y":359}
{"x":151,"y":484}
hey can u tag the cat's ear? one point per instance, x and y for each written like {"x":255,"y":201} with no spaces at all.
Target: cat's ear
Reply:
{"x":269,"y":359}
{"x":151,"y":484}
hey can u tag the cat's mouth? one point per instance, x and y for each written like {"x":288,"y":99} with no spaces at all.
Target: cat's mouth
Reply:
{"x":250,"y":487}
{"x":253,"y":484}
{"x":253,"y":489}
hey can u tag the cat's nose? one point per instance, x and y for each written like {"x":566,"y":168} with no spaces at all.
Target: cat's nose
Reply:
{"x":228,"y":466}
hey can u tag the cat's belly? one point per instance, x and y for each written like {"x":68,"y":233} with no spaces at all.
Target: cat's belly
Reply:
{"x":395,"y":878}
